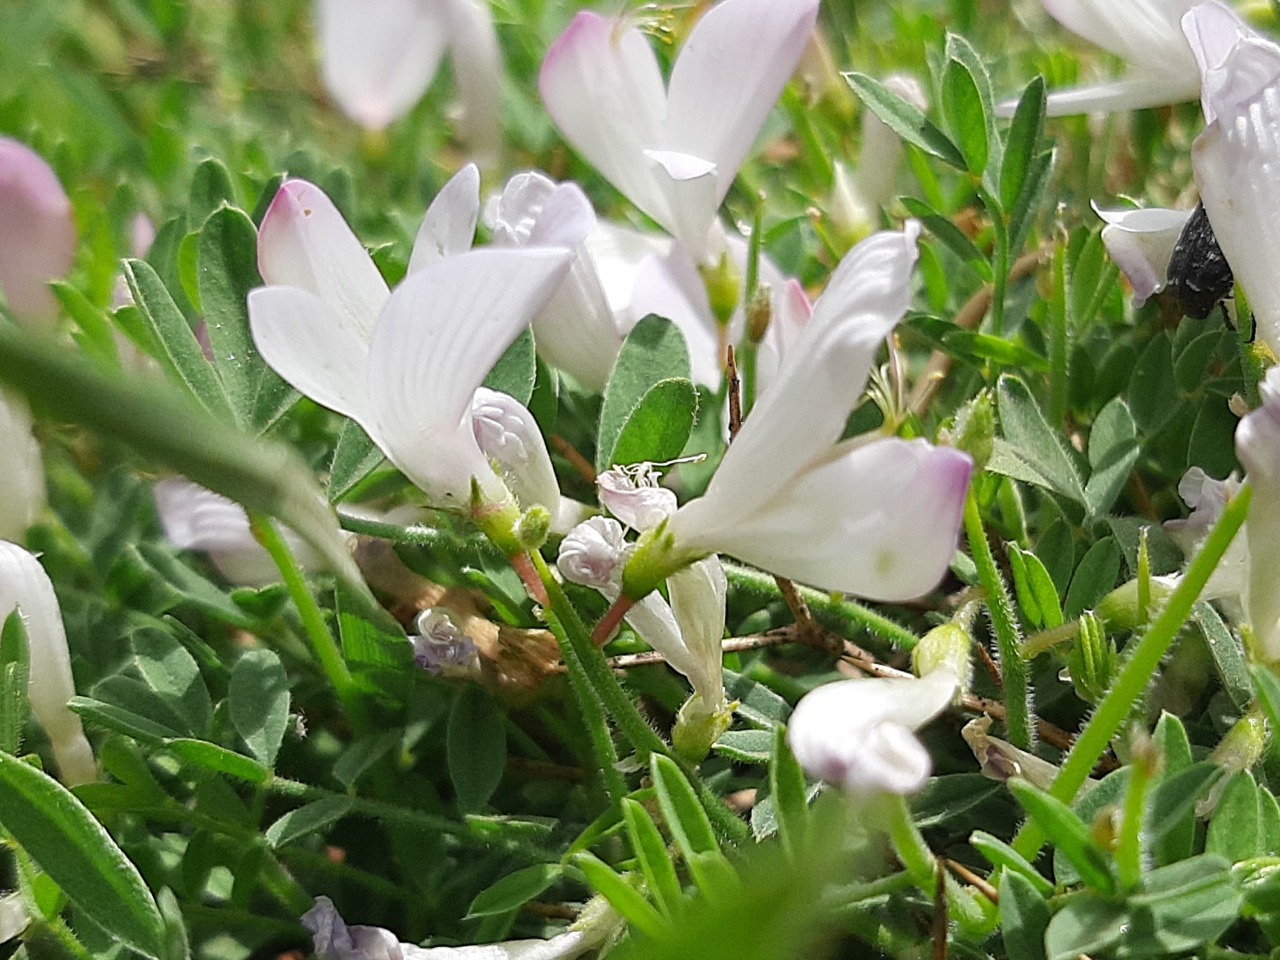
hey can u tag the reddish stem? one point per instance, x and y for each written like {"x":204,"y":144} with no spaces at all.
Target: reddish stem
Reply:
{"x":532,"y":582}
{"x":609,"y":622}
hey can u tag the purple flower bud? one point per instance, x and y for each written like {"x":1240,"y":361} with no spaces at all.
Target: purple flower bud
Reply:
{"x":37,"y":232}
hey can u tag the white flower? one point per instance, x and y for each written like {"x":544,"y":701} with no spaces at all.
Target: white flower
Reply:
{"x":875,"y":518}
{"x":379,"y":58}
{"x":37,"y":232}
{"x":405,"y":365}
{"x":860,"y":734}
{"x":633,"y":496}
{"x":1140,"y":243}
{"x":1237,"y":157}
{"x":334,"y":940}
{"x":589,"y":553}
{"x":25,"y":586}
{"x":1146,"y":34}
{"x":196,"y":518}
{"x":1207,"y":498}
{"x":24,"y":494}
{"x":1258,"y":447}
{"x":674,"y":149}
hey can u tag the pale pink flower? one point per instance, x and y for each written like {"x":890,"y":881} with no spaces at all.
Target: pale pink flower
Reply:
{"x":37,"y":233}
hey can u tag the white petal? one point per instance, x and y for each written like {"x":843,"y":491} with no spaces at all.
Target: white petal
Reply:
{"x":655,"y":621}
{"x":24,"y":493}
{"x":577,"y":332}
{"x":603,"y":88}
{"x":858,"y":733}
{"x":690,"y":186}
{"x":308,"y":343}
{"x":1258,"y":447}
{"x":566,"y":219}
{"x":378,"y":58}
{"x":878,"y":520}
{"x":24,"y":585}
{"x":441,"y":333}
{"x":477,"y":66}
{"x":1140,"y":243}
{"x":1137,"y":91}
{"x":304,"y":242}
{"x":449,"y":227}
{"x":589,"y":553}
{"x":1237,"y":165}
{"x":640,"y":507}
{"x":670,"y":287}
{"x":1212,"y":29}
{"x":511,"y":439}
{"x":698,"y":602}
{"x":820,"y":380}
{"x":729,"y":75}
{"x":791,"y":313}
{"x":1140,"y":31}
{"x":37,"y":232}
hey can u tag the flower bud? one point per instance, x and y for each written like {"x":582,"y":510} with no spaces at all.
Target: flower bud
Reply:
{"x":589,"y":554}
{"x":724,"y":288}
{"x":974,"y":430}
{"x":945,"y":648}
{"x":1093,"y":661}
{"x":37,"y":232}
{"x":509,"y":436}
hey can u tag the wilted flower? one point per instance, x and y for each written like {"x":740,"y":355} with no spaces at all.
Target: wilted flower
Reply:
{"x":1236,"y":158}
{"x":440,"y":643}
{"x":860,"y":734}
{"x":878,"y":518}
{"x":1148,"y":37}
{"x":379,"y":58}
{"x":37,"y":232}
{"x":26,"y":587}
{"x":334,"y":940}
{"x":674,"y":149}
{"x":407,"y":365}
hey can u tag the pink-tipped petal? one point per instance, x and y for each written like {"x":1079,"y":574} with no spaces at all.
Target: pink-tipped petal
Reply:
{"x":306,"y":341}
{"x":449,"y":227}
{"x":729,"y":75}
{"x":878,"y":520}
{"x":305,"y":242}
{"x":441,"y":333}
{"x":37,"y":232}
{"x":379,"y":58}
{"x":601,"y":84}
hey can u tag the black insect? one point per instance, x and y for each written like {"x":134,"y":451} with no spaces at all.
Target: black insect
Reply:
{"x":1199,"y":276}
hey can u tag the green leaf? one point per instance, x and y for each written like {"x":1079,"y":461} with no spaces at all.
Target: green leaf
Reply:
{"x":745,"y":746}
{"x":14,"y":671}
{"x":258,"y":703}
{"x":1182,"y":907}
{"x":307,"y":819}
{"x":652,"y":855}
{"x":1031,"y":450}
{"x":1228,"y":655}
{"x":1094,"y":578}
{"x":1172,"y":818}
{"x":1029,"y":201}
{"x":59,"y":833}
{"x":1024,"y":917}
{"x":985,"y":346}
{"x":172,"y":673}
{"x":1087,"y":925}
{"x":790,"y":795}
{"x":685,"y":817}
{"x":905,"y":120}
{"x":659,"y":426}
{"x":210,"y":188}
{"x":477,"y":747}
{"x":1113,"y":451}
{"x":641,"y":914}
{"x":654,"y":350}
{"x":354,"y":458}
{"x":96,"y":336}
{"x":516,"y":370}
{"x":1022,"y":146}
{"x":182,"y":353}
{"x":963,"y":109}
{"x":189,"y":587}
{"x":1000,"y":854}
{"x":118,"y":719}
{"x":1236,"y":832}
{"x":757,"y":704}
{"x":949,"y":235}
{"x":1068,"y":832}
{"x":1037,"y":595}
{"x":228,"y":270}
{"x":210,"y":756}
{"x":514,"y":890}
{"x":1268,"y":687}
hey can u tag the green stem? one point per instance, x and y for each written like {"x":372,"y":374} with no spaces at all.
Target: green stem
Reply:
{"x":1139,"y":668}
{"x":908,"y":843}
{"x":1129,"y":844}
{"x":1013,"y":669}
{"x":323,"y":645}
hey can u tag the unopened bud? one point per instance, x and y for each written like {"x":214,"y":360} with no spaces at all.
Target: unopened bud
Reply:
{"x":698,"y":726}
{"x":724,"y":284}
{"x":974,"y":430}
{"x":533,"y":527}
{"x":1121,"y":610}
{"x":1092,"y":661}
{"x":946,"y":647}
{"x":1243,"y":745}
{"x":759,"y":313}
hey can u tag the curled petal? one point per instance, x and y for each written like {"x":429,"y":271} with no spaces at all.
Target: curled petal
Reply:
{"x":859,"y":734}
{"x":510,"y":437}
{"x":378,"y":59}
{"x":1140,"y":243}
{"x":37,"y":232}
{"x":589,"y":553}
{"x":305,"y":242}
{"x":26,"y":587}
{"x":1141,"y":32}
{"x":878,"y":520}
{"x":449,"y":226}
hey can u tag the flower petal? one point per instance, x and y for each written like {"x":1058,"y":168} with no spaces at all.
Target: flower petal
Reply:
{"x":308,"y":343}
{"x":25,"y":586}
{"x":603,"y":88}
{"x":1140,"y":243}
{"x":698,"y":602}
{"x":449,"y":227}
{"x":441,"y":333}
{"x":1212,"y":29}
{"x":477,"y":67}
{"x":305,"y":242}
{"x":689,"y":183}
{"x":1236,"y":168}
{"x":24,"y":494}
{"x":729,"y":75}
{"x":378,"y":59}
{"x":804,"y":411}
{"x":878,"y":520}
{"x":37,"y":232}
{"x":511,"y":439}
{"x":1145,"y":32}
{"x":1136,"y":91}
